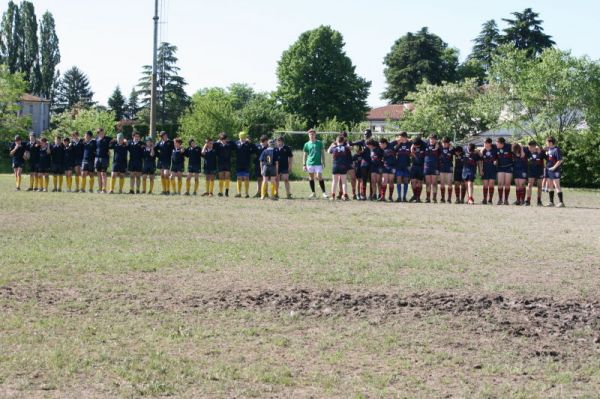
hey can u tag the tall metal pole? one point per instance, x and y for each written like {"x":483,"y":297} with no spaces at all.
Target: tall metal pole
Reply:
{"x":154,"y":74}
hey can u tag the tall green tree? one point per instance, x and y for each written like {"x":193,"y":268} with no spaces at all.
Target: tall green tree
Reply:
{"x":49,"y":55}
{"x":12,"y":86}
{"x":318,"y":81}
{"x":525,"y":32}
{"x":10,"y":37}
{"x":29,"y":61}
{"x":486,"y":44}
{"x":133,"y":105}
{"x":418,"y":57}
{"x":117,"y":104}
{"x":73,"y":89}
{"x":172,"y":99}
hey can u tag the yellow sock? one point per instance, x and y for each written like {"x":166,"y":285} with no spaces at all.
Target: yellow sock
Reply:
{"x":54,"y":182}
{"x":239,"y":186}
{"x":82,"y":184}
{"x":264,"y":189}
{"x":18,"y":181}
{"x":121,"y":183}
{"x":211,"y":187}
{"x":92,"y":183}
{"x":113,"y":182}
{"x":179,"y":184}
{"x":207,"y":183}
{"x":60,"y":182}
{"x":151,"y":186}
{"x":173,"y":184}
{"x":39,"y":182}
{"x":246,"y":186}
{"x":46,"y":182}
{"x":31,"y":182}
{"x":132,"y":185}
{"x":221,"y":184}
{"x":227,"y":183}
{"x":77,"y":182}
{"x":188,"y":184}
{"x":273,"y":190}
{"x":144,"y":184}
{"x":69,"y":182}
{"x":196,"y":184}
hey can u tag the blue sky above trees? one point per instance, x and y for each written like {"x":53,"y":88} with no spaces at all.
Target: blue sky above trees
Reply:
{"x":241,"y":41}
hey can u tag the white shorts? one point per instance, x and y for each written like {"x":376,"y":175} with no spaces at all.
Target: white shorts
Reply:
{"x":316,"y":169}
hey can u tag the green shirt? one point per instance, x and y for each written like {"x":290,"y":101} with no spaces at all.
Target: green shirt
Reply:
{"x":313,"y":153}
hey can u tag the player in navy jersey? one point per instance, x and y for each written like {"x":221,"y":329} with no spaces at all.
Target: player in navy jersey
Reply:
{"x":356,"y":160}
{"x":489,"y":158}
{"x":446,"y":169}
{"x":119,"y":165}
{"x":177,"y":165}
{"x":285,"y":156}
{"x":194,"y":155}
{"x":339,"y":151}
{"x":77,"y":143}
{"x":471,"y":162}
{"x":388,"y":171}
{"x":87,"y":161}
{"x":136,"y":163}
{"x":224,"y":149}
{"x":210,"y":166}
{"x":269,"y":167}
{"x":33,"y":148}
{"x":45,"y":163}
{"x":17,"y":154}
{"x":505,"y":169}
{"x":376,"y":167}
{"x":260,"y":147}
{"x":431,"y":169}
{"x":403,"y":154}
{"x":69,"y":162}
{"x":57,"y":151}
{"x":417,"y":173}
{"x":243,"y":160}
{"x":535,"y":171}
{"x":366,"y":166}
{"x":520,"y":173}
{"x":102,"y":159}
{"x":460,"y":188}
{"x":164,"y":150}
{"x":148,"y":166}
{"x":554,"y":161}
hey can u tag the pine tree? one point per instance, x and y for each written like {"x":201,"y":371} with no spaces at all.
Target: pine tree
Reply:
{"x":133,"y":106}
{"x":49,"y":55}
{"x":73,"y":89}
{"x":172,"y":100}
{"x":486,"y":44}
{"x":117,"y":104}
{"x":28,"y":55}
{"x":10,"y":37}
{"x":525,"y":32}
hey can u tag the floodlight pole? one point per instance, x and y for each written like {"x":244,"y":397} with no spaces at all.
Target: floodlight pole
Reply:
{"x":154,"y":73}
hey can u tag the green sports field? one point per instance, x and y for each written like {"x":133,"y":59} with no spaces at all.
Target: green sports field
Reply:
{"x":151,"y":296}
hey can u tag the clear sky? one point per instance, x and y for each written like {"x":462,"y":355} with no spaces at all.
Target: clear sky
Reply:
{"x":225,"y":41}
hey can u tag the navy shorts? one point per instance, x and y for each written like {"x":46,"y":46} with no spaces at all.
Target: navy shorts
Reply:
{"x":58,"y":169}
{"x":17,"y":164}
{"x":164,"y":165}
{"x":468,"y":175}
{"x":33,"y":167}
{"x":242,"y":173}
{"x":224,"y":168}
{"x":149,"y":171}
{"x":43,"y":168}
{"x":535,"y":174}
{"x":402,"y":172}
{"x":553,"y":175}
{"x":388,"y":171}
{"x":520,"y":174}
{"x":489,"y":174}
{"x":193,"y":169}
{"x":458,"y":175}
{"x":177,"y":167}
{"x":339,"y":170}
{"x":505,"y":169}
{"x":431,"y":171}
{"x":119,"y":168}
{"x":270,"y":171}
{"x":284,"y":171}
{"x":446,"y":169}
{"x":210,"y":172}
{"x":135,"y":167}
{"x":87,"y":166}
{"x":416,"y":173}
{"x":101,"y":164}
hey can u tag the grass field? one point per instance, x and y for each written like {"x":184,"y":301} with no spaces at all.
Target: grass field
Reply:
{"x":148,"y":296}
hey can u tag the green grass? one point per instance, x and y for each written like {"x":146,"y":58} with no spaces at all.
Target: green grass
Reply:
{"x":95,"y":291}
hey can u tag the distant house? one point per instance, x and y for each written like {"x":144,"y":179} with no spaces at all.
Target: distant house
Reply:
{"x":380,"y":118}
{"x":38,"y":109}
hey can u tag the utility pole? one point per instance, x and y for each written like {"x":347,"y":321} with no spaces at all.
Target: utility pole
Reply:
{"x":154,"y":74}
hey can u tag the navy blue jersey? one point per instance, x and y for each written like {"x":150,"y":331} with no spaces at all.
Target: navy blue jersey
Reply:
{"x":535,"y":161}
{"x":259,"y":150}
{"x":505,"y":156}
{"x":418,"y":155}
{"x":520,"y":165}
{"x":268,"y":157}
{"x":119,"y":153}
{"x":489,"y":157}
{"x":149,"y":158}
{"x":376,"y":158}
{"x":103,"y":147}
{"x":136,"y":152}
{"x":553,"y":155}
{"x":18,"y":156}
{"x":356,"y":160}
{"x":45,"y":158}
{"x":365,"y":156}
{"x":283,"y":155}
{"x":432,"y":156}
{"x":77,"y":151}
{"x":469,"y":161}
{"x":340,"y":154}
{"x":34,"y":152}
{"x":446,"y":158}
{"x":58,"y":154}
{"x":458,"y":160}
{"x":89,"y":151}
{"x":178,"y":156}
{"x":243,"y":155}
{"x":210,"y":160}
{"x":164,"y":150}
{"x":224,"y":152}
{"x":70,"y":155}
{"x":403,"y":155}
{"x":389,"y":157}
{"x":194,"y":156}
